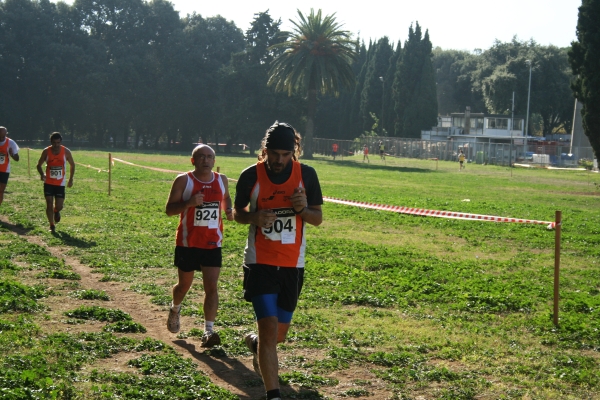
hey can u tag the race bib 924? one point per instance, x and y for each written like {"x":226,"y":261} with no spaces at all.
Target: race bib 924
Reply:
{"x":208,"y":215}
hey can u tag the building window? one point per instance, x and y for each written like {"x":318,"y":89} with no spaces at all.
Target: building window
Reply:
{"x":497,"y":123}
{"x":518,"y":125}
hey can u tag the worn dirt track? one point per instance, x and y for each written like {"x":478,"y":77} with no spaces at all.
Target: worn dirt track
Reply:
{"x":226,"y":372}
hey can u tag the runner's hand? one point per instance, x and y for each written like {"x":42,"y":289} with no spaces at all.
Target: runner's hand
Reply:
{"x":299,"y":199}
{"x":196,"y":200}
{"x":266,"y":218}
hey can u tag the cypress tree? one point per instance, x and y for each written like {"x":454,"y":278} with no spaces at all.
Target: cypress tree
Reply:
{"x":355,"y":119}
{"x":585,"y":62}
{"x":388,"y":117}
{"x":414,"y":90}
{"x":372,"y":91}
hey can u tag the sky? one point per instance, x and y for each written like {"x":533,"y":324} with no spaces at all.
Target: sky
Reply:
{"x":459,"y":24}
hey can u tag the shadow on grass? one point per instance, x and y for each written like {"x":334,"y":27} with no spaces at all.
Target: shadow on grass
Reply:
{"x":16,"y":228}
{"x":69,"y":240}
{"x":237,"y":374}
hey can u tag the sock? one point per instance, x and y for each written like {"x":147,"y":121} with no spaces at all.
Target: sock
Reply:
{"x":255,"y":345}
{"x":273,"y":394}
{"x":208,"y":326}
{"x":175,"y":307}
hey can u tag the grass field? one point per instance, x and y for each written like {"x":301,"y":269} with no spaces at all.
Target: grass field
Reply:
{"x":394,"y":306}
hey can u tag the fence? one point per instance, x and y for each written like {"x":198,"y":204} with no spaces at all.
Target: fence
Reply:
{"x":538,"y":153}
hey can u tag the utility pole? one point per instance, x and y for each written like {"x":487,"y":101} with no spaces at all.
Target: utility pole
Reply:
{"x":382,"y":101}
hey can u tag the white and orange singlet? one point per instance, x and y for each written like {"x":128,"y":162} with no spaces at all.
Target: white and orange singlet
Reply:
{"x":56,"y":167}
{"x":4,"y":157}
{"x":283,"y":244}
{"x":202,"y":226}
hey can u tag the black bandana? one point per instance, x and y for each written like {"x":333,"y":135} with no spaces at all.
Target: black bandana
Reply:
{"x":281,"y":136}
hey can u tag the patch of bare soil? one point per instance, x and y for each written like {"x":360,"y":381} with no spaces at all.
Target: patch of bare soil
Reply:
{"x":234,"y":374}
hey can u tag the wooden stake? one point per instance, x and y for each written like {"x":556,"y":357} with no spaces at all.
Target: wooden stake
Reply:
{"x":109,"y":171}
{"x":556,"y":263}
{"x":219,"y":169}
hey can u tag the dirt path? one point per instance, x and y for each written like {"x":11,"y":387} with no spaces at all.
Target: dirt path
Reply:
{"x":230,"y":373}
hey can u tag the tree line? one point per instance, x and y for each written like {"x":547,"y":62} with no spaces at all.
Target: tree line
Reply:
{"x":133,"y":73}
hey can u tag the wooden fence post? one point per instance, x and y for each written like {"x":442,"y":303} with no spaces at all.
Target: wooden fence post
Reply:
{"x":556,"y":263}
{"x":109,"y":171}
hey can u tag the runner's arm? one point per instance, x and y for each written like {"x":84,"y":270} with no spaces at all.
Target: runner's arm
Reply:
{"x":227,"y":199}
{"x":40,"y":163}
{"x":69,"y":158}
{"x":13,"y":151}
{"x":175,"y":205}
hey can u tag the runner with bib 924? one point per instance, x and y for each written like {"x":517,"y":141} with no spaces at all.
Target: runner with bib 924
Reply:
{"x":199,"y":197}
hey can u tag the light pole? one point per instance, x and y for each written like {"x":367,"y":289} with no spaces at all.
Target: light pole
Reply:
{"x":382,"y":100}
{"x":512,"y":118}
{"x":527,"y":115}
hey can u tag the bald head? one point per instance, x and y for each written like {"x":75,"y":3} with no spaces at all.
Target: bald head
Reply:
{"x":202,"y":148}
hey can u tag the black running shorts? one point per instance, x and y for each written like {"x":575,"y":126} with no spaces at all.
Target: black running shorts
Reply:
{"x":190,"y":259}
{"x":54,"y":191}
{"x":266,"y":279}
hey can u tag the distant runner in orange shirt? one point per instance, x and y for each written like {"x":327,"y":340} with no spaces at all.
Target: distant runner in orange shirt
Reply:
{"x":199,"y":197}
{"x":8,"y":150}
{"x":56,"y":158}
{"x":334,"y":150}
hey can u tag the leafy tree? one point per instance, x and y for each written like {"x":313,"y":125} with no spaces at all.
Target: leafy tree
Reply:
{"x":29,"y":62}
{"x":585,"y":61}
{"x":318,"y":57}
{"x":454,"y":77}
{"x":551,"y":96}
{"x":248,"y":106}
{"x":504,"y":69}
{"x":208,"y":46}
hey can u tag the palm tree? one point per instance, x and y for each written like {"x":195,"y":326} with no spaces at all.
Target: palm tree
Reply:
{"x":317,"y":56}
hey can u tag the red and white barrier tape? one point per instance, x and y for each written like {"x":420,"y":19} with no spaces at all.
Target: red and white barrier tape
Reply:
{"x":439,"y":214}
{"x":89,"y":166}
{"x":404,"y":210}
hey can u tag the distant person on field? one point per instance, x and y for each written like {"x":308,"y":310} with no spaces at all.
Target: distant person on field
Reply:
{"x":198,"y":197}
{"x":461,"y":160}
{"x":382,"y":150}
{"x":56,"y":156}
{"x":334,"y":150}
{"x":277,"y":197}
{"x":366,"y":153}
{"x":8,"y":150}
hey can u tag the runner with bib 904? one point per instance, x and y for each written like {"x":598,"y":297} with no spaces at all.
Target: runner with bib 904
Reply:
{"x":276,"y":197}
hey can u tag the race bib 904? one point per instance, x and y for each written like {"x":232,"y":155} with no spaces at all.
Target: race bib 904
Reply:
{"x":56,"y":172}
{"x":208,"y":215}
{"x":284,"y":228}
{"x":2,"y":158}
